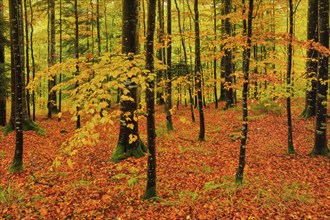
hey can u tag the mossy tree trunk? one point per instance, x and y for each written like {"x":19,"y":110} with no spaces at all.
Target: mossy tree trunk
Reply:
{"x":150,"y":100}
{"x":129,"y":142}
{"x":76,"y":46}
{"x":247,"y":30}
{"x":321,"y":141}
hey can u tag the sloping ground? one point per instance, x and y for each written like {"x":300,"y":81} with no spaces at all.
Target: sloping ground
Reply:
{"x":195,"y":179}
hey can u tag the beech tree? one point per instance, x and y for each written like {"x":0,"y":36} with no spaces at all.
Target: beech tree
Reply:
{"x":198,"y":75}
{"x":312,"y":55}
{"x":129,"y":142}
{"x":17,"y":73}
{"x":247,"y":31}
{"x":321,"y":141}
{"x":150,"y":100}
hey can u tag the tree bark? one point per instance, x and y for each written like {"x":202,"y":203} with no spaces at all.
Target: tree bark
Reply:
{"x":198,"y":73}
{"x":247,"y":30}
{"x":312,"y":55}
{"x":127,"y":147}
{"x":3,"y":79}
{"x":321,"y":142}
{"x":17,"y":58}
{"x":150,"y":100}
{"x":169,"y":69}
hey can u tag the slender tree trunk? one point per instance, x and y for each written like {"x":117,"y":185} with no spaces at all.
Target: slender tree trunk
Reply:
{"x":247,"y":30}
{"x":198,"y":72}
{"x":161,"y":51}
{"x":106,"y":27}
{"x":169,"y":69}
{"x":214,"y":53}
{"x":288,"y":80}
{"x":33,"y":61}
{"x":76,"y":46}
{"x":228,"y":59}
{"x":126,"y":147}
{"x":16,"y":36}
{"x":51,"y":58}
{"x":61,"y":60}
{"x":185,"y":60}
{"x":98,"y":28}
{"x":312,"y":55}
{"x":3,"y":84}
{"x":27,"y":59}
{"x":321,"y":141}
{"x":150,"y":100}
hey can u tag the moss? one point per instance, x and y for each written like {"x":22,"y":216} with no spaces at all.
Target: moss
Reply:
{"x":150,"y":193}
{"x":121,"y":152}
{"x":28,"y":125}
{"x":307,"y":113}
{"x":323,"y":152}
{"x":16,"y":166}
{"x":291,"y":150}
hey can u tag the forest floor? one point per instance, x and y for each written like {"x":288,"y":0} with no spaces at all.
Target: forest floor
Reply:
{"x":195,"y":179}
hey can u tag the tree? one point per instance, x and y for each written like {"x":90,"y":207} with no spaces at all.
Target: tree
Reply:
{"x":215,"y":49}
{"x":312,"y":54}
{"x":169,"y":69}
{"x":321,"y":145}
{"x":76,"y":47}
{"x":247,"y":31}
{"x":3,"y":80}
{"x":51,"y":105}
{"x":198,"y":75}
{"x":288,"y":79}
{"x":17,"y":68}
{"x":150,"y":100}
{"x":229,"y":94}
{"x":129,"y":142}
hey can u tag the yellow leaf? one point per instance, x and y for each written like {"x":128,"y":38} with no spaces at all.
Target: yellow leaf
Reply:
{"x":70,"y":163}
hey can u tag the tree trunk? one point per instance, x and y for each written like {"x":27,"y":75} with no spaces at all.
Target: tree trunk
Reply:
{"x":106,"y":27}
{"x":288,"y":80}
{"x":129,"y":142}
{"x":98,"y":28}
{"x":150,"y":100}
{"x":161,"y":51}
{"x":321,"y":142}
{"x":76,"y":46}
{"x":61,"y":60}
{"x":228,"y":59}
{"x":247,"y":30}
{"x":27,"y":59}
{"x":3,"y":80}
{"x":51,"y":105}
{"x":169,"y":69}
{"x":214,"y":53}
{"x":312,"y":55}
{"x":198,"y":73}
{"x":16,"y":37}
{"x":32,"y":60}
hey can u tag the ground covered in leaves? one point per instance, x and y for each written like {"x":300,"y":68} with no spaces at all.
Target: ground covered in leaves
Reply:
{"x":195,"y":179}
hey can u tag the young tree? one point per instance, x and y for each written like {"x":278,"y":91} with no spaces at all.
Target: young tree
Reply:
{"x":247,"y":31}
{"x":169,"y":69}
{"x":215,"y":49}
{"x":3,"y":83}
{"x":51,"y":105}
{"x":129,"y":142}
{"x":150,"y":100}
{"x":312,"y":55}
{"x":76,"y":48}
{"x":17,"y":68}
{"x":288,"y":79}
{"x":198,"y":75}
{"x":321,"y":143}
